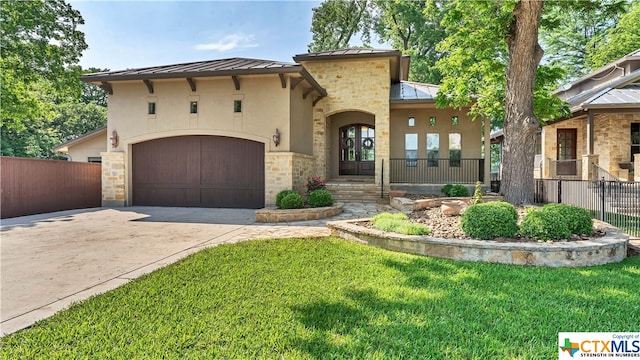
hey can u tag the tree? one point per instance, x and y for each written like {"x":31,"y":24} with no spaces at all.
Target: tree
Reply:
{"x":618,"y":41}
{"x":414,"y":28}
{"x":335,"y":22}
{"x":492,"y":63}
{"x":93,"y":93}
{"x":39,"y":41}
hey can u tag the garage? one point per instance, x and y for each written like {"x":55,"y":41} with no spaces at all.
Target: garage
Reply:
{"x":199,"y":171}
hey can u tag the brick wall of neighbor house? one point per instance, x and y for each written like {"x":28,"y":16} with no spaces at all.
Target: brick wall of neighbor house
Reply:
{"x":113,"y":179}
{"x":612,"y":140}
{"x":352,"y":85}
{"x":550,"y":141}
{"x":286,"y":170}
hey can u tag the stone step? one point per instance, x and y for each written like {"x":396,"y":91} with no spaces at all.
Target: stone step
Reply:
{"x":354,"y":192}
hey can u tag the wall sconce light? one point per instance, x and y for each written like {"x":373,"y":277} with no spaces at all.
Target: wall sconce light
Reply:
{"x":276,"y":137}
{"x":115,"y":139}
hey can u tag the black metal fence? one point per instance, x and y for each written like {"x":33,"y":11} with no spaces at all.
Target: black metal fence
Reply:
{"x":436,"y":171}
{"x":615,"y":202}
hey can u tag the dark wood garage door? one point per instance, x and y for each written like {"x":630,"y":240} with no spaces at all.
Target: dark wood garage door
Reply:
{"x":203,"y":171}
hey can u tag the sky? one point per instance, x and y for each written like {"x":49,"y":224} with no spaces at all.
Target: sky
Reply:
{"x":132,"y":34}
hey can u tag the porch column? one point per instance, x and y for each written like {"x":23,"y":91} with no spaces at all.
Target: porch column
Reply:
{"x":588,"y":170}
{"x":589,"y":132}
{"x":487,"y":153}
{"x":636,"y":167}
{"x":113,"y":179}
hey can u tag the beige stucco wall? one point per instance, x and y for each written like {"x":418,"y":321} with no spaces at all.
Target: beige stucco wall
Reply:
{"x":91,"y":147}
{"x":352,"y":85}
{"x":612,"y":139}
{"x":265,"y":107}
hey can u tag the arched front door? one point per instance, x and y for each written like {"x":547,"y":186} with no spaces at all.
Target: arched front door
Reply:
{"x":357,"y":150}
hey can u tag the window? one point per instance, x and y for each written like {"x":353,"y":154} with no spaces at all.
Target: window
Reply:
{"x":152,"y":108}
{"x":635,"y":139}
{"x":539,"y":143}
{"x":432,"y":121}
{"x":433,"y":149}
{"x":237,"y":106}
{"x":94,"y":159}
{"x":412,"y":121}
{"x":411,"y":149}
{"x":454,"y":121}
{"x":455,"y":149}
{"x":193,"y":107}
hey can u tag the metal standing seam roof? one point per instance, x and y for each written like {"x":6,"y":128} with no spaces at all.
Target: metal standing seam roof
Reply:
{"x":346,"y":53}
{"x":616,"y":98}
{"x":629,"y":95}
{"x":407,"y":91}
{"x":220,"y":67}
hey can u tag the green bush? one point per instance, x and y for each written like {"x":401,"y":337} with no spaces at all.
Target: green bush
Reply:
{"x":292,"y":201}
{"x":489,"y":220}
{"x":281,"y":196}
{"x":398,"y":223}
{"x":447,"y":189}
{"x":320,"y":198}
{"x":459,"y":191}
{"x":578,"y":219}
{"x":544,"y":225}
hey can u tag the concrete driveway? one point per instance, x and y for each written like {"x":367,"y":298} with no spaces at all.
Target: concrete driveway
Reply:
{"x":49,"y":261}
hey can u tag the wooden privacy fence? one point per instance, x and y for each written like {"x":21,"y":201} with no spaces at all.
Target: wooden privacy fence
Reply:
{"x":35,"y":186}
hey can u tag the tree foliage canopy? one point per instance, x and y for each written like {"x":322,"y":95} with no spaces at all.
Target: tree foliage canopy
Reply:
{"x":335,"y":22}
{"x":618,"y":41}
{"x":40,"y":41}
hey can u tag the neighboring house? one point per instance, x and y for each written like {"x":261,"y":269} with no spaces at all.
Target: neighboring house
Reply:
{"x":235,"y":132}
{"x":85,"y":148}
{"x":604,"y":127}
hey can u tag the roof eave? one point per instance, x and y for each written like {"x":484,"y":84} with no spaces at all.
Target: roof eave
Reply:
{"x":305,"y":57}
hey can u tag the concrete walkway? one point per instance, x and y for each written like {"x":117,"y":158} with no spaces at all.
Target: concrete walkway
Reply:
{"x":49,"y":261}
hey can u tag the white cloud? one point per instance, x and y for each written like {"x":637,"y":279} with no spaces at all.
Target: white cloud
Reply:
{"x":229,"y":42}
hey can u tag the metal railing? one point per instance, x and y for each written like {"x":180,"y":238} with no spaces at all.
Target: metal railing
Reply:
{"x":615,"y":202}
{"x":602,"y":173}
{"x":436,"y":171}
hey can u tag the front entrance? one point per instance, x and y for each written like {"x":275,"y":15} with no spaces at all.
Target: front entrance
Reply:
{"x":567,"y":152}
{"x":357,"y":150}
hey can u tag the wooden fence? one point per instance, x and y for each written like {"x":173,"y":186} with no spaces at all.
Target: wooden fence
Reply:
{"x":34,"y":186}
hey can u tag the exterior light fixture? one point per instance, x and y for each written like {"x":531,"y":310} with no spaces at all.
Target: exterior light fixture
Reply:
{"x":276,"y":137}
{"x":115,"y":139}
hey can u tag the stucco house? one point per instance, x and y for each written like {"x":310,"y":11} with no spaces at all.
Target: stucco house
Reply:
{"x":85,"y":148}
{"x":604,"y":127}
{"x":235,"y":132}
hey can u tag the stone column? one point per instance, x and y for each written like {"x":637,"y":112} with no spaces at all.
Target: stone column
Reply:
{"x":113,"y":179}
{"x":636,"y":167}
{"x":588,"y":170}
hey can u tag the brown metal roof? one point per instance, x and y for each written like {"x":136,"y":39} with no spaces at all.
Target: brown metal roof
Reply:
{"x":220,"y":67}
{"x":346,"y":54}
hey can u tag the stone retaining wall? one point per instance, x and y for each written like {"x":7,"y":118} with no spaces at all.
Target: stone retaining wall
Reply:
{"x":273,"y":215}
{"x":607,"y":249}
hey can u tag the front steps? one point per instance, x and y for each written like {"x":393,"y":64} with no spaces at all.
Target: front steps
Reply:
{"x":354,"y":189}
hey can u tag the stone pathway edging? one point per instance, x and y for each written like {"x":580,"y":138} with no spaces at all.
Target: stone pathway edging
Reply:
{"x":273,"y":215}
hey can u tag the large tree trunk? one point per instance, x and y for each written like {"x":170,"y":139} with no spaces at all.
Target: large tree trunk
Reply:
{"x":520,"y":124}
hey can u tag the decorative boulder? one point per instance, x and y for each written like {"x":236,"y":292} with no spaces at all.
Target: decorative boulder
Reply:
{"x":453,"y":207}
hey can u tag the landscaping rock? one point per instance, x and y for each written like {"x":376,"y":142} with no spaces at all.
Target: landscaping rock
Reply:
{"x":453,"y":207}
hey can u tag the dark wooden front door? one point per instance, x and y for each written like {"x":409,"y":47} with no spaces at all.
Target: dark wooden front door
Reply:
{"x":357,"y":150}
{"x":566,"y":152}
{"x":201,"y":171}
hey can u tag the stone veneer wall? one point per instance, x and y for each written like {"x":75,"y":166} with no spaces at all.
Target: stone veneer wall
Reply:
{"x":550,"y":141}
{"x":113,"y":179}
{"x":352,"y":85}
{"x":286,"y":170}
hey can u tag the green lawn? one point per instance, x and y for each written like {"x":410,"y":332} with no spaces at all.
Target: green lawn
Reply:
{"x":333,"y":299}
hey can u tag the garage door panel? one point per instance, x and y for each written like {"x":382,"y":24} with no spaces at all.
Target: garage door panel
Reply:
{"x":208,"y":171}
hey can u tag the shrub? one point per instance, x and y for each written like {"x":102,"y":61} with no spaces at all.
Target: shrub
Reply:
{"x":477,"y":195}
{"x":386,"y":215}
{"x":315,"y":183}
{"x":281,"y":196}
{"x":447,"y":189}
{"x":459,"y":191}
{"x":489,"y":220}
{"x":386,"y":224}
{"x":544,"y":225}
{"x":578,"y":220}
{"x":320,"y":198}
{"x":408,"y":228}
{"x":292,"y":201}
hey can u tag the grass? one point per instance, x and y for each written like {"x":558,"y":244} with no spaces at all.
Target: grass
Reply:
{"x":332,"y":299}
{"x":398,"y":223}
